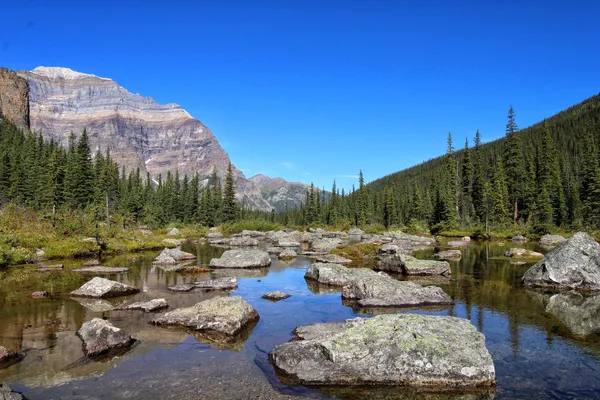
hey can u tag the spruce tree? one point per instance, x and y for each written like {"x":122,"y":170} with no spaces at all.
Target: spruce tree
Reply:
{"x":230,"y":211}
{"x":498,"y":195}
{"x":467,"y":185}
{"x":513,"y":163}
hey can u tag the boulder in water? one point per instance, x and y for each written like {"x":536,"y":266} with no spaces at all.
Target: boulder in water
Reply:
{"x":100,"y":336}
{"x":515,"y":252}
{"x":551,"y":240}
{"x":409,"y":265}
{"x":146,"y":306}
{"x":226,"y":283}
{"x":288,"y":254}
{"x":276,"y":296}
{"x":102,"y":288}
{"x":242,"y":259}
{"x":449,"y":255}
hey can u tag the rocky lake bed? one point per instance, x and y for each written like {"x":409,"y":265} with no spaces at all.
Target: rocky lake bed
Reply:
{"x":409,"y":323}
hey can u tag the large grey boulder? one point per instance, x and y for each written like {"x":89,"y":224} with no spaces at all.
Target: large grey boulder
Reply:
{"x":243,"y":241}
{"x":146,"y":306}
{"x":174,"y":232}
{"x":551,"y":240}
{"x":515,"y":252}
{"x":288,"y":254}
{"x":225,"y":283}
{"x":102,"y":288}
{"x":436,"y":352}
{"x":574,"y":264}
{"x":242,"y":259}
{"x":578,"y":312}
{"x":335,"y":274}
{"x":100,"y":336}
{"x":226,"y":315}
{"x":288,"y":242}
{"x":380,"y":290}
{"x":325,"y":245}
{"x":173,"y":256}
{"x":409,"y":265}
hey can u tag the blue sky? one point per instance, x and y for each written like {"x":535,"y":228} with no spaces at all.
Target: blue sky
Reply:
{"x":317,"y":90}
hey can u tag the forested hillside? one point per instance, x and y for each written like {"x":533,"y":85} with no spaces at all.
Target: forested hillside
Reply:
{"x":537,"y":178}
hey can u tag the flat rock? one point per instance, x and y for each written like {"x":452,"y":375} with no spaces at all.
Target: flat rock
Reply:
{"x":102,"y":288}
{"x":436,"y":352}
{"x":274,"y":250}
{"x":459,"y":243}
{"x":181,"y":288}
{"x":9,"y":357}
{"x":243,"y":241}
{"x":449,"y":255}
{"x":101,"y":270}
{"x":380,"y":290}
{"x":48,"y":268}
{"x":409,"y":265}
{"x":146,"y":306}
{"x":514,"y":252}
{"x":288,"y":254}
{"x":226,"y":283}
{"x":551,"y":240}
{"x":6,"y":393}
{"x":91,"y":263}
{"x":254,"y":234}
{"x":214,"y":235}
{"x":276,"y":296}
{"x":389,"y":248}
{"x":173,"y":256}
{"x":400,"y":236}
{"x":336,"y":274}
{"x":242,"y":259}
{"x":325,"y":245}
{"x":332,"y":258}
{"x":288,"y":242}
{"x":40,"y":294}
{"x":226,"y":315}
{"x":574,"y":264}
{"x":100,"y":336}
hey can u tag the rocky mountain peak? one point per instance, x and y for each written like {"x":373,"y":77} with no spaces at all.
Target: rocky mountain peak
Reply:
{"x":63,"y":73}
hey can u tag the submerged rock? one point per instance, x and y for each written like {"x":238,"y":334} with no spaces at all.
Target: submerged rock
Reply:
{"x":95,"y":305}
{"x":401,"y":349}
{"x":242,"y":259}
{"x":332,"y":258}
{"x":288,"y":254}
{"x":551,"y":240}
{"x":226,"y":283}
{"x":181,"y":288}
{"x":449,"y":255}
{"x":100,"y":336}
{"x":335,"y":274}
{"x":9,"y":357}
{"x":226,"y":315}
{"x":574,"y":264}
{"x":146,"y":306}
{"x":102,"y":270}
{"x":380,"y":290}
{"x":276,"y":296}
{"x":409,"y":265}
{"x":515,"y":252}
{"x":102,"y":288}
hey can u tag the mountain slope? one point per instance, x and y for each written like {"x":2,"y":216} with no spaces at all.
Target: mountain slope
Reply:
{"x":278,"y":192}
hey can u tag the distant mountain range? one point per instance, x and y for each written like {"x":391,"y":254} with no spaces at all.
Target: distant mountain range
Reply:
{"x":140,"y":132}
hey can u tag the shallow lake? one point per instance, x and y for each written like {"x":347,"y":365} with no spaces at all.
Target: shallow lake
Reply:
{"x":544,"y":345}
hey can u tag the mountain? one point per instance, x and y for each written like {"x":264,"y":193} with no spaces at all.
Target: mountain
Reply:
{"x":140,"y":132}
{"x":278,"y":192}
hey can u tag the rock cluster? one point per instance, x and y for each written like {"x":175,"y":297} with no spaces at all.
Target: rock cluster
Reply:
{"x":242,"y":259}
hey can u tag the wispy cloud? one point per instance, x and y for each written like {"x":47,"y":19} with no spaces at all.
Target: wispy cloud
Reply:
{"x":306,"y":173}
{"x":287,"y":164}
{"x":349,"y":176}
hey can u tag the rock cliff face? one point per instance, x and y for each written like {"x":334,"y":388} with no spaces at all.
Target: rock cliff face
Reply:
{"x":277,"y":191}
{"x":13,"y":98}
{"x":139,"y":131}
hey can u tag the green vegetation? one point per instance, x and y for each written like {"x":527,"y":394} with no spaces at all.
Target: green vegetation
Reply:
{"x":359,"y":253}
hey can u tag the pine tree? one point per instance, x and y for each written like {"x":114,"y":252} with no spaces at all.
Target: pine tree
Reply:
{"x":230,"y":210}
{"x":498,"y":195}
{"x":449,"y":194}
{"x":478,"y":180}
{"x":513,"y":163}
{"x":467,"y":185}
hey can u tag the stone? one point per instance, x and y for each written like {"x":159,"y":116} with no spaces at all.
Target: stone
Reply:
{"x":356,"y":232}
{"x":243,"y":241}
{"x":9,"y":357}
{"x":254,"y":234}
{"x":174,"y":242}
{"x":519,"y":238}
{"x":91,"y":263}
{"x":174,"y":232}
{"x":574,"y":264}
{"x":449,"y":255}
{"x":146,"y":306}
{"x":225,"y":315}
{"x":146,"y":232}
{"x":325,"y":245}
{"x":47,"y":268}
{"x":274,"y":250}
{"x":102,"y":288}
{"x":380,"y":290}
{"x":89,"y":240}
{"x":551,"y":240}
{"x":276,"y":296}
{"x":399,"y":236}
{"x":335,"y":274}
{"x":214,"y":235}
{"x":101,"y":270}
{"x":332,"y":259}
{"x":173,"y":256}
{"x":434,"y":352}
{"x":458,"y":243}
{"x":95,"y":305}
{"x":389,"y":248}
{"x":409,"y":265}
{"x":466,"y":239}
{"x":288,"y":242}
{"x":242,"y":259}
{"x":6,"y":393}
{"x":40,"y":294}
{"x":288,"y":254}
{"x":99,"y":336}
{"x":514,"y":252}
{"x":225,"y":283}
{"x":181,"y":288}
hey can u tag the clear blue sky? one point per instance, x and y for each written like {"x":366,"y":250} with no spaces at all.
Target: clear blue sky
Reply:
{"x":316,"y":90}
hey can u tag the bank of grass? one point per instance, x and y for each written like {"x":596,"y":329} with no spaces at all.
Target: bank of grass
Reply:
{"x":250,"y":225}
{"x":360,"y":254}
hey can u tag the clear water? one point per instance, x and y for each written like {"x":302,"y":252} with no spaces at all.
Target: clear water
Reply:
{"x":542,"y":347}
